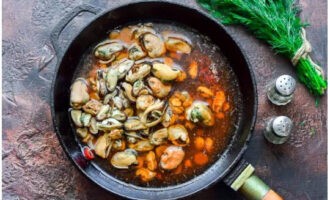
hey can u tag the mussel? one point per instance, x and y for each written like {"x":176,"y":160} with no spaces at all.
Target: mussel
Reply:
{"x":159,"y":137}
{"x":79,"y":93}
{"x":92,"y":107}
{"x":164,"y":72}
{"x":106,"y":51}
{"x":178,"y":135}
{"x":124,"y":159}
{"x":138,"y":71}
{"x":144,"y":101}
{"x":108,"y":124}
{"x":153,"y":44}
{"x":159,"y":89}
{"x":145,"y":174}
{"x":76,"y":117}
{"x":111,"y":79}
{"x":178,"y":45}
{"x":103,"y":112}
{"x":141,"y":29}
{"x":199,"y":112}
{"x":135,"y":52}
{"x":128,"y":91}
{"x":171,"y":158}
{"x":134,"y":124}
{"x":142,"y":146}
{"x":103,"y":146}
{"x":123,"y":67}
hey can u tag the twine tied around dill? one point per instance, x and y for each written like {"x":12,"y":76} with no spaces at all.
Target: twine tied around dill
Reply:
{"x":304,"y":51}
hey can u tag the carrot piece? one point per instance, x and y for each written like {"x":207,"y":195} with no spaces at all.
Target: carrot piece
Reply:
{"x":94,"y":95}
{"x":200,"y":158}
{"x":159,"y":150}
{"x":218,"y":101}
{"x":125,"y":35}
{"x":199,"y":143}
{"x":209,"y":101}
{"x":189,"y":125}
{"x":168,"y":61}
{"x":173,"y":119}
{"x":159,"y":176}
{"x":178,"y":170}
{"x":175,"y":55}
{"x":209,"y":144}
{"x":177,"y":110}
{"x":140,"y":160}
{"x":205,"y":92}
{"x":187,"y":103}
{"x":114,"y":35}
{"x":182,"y":117}
{"x":220,"y":115}
{"x":174,"y":101}
{"x":200,"y":132}
{"x":122,"y":55}
{"x":193,"y":69}
{"x":187,"y":163}
{"x":182,"y":76}
{"x":151,"y":161}
{"x":225,"y":106}
{"x":102,"y":66}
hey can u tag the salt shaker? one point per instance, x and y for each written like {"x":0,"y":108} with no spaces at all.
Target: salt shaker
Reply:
{"x":280,"y":91}
{"x":278,"y":129}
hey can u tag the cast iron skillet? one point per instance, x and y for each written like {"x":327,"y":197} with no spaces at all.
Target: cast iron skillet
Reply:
{"x":149,"y":11}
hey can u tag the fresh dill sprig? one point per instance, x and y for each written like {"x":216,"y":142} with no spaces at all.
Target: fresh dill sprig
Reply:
{"x":277,"y":23}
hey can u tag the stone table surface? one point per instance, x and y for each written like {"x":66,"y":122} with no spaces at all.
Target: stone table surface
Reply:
{"x":34,"y":164}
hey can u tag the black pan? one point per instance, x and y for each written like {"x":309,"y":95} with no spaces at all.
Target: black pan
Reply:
{"x":237,"y":175}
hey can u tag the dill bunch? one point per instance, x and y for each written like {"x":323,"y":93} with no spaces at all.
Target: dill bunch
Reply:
{"x":277,"y":23}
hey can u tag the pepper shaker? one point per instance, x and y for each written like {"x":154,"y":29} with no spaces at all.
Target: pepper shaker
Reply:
{"x":280,"y":91}
{"x":278,"y":129}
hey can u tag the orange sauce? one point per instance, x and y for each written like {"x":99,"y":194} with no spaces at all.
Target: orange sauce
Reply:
{"x":206,"y":143}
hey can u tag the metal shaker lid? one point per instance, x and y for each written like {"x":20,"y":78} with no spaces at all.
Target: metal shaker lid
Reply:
{"x":285,"y":84}
{"x":282,"y":126}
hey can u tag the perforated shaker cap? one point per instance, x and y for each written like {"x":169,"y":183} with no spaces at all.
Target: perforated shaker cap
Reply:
{"x":282,"y":126}
{"x":285,"y":84}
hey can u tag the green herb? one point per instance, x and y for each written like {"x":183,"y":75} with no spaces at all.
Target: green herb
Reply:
{"x":302,"y":123}
{"x":276,"y":22}
{"x":312,"y":133}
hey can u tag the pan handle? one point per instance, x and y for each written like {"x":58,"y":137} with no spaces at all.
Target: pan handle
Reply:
{"x":243,"y":179}
{"x":56,"y":32}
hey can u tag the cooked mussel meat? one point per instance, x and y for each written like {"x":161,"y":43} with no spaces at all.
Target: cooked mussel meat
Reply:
{"x":158,"y":88}
{"x":79,"y":93}
{"x":144,"y":101}
{"x":164,"y":72}
{"x":145,"y":174}
{"x":159,"y":137}
{"x":106,"y":51}
{"x":138,"y":71}
{"x":135,"y":52}
{"x":134,"y":124}
{"x":153,"y":44}
{"x":142,"y":146}
{"x":178,"y":135}
{"x":92,"y":107}
{"x":199,"y":112}
{"x":109,"y":124}
{"x":103,"y":146}
{"x":123,"y":67}
{"x":124,"y":159}
{"x":177,"y":45}
{"x":111,"y":79}
{"x":171,"y":158}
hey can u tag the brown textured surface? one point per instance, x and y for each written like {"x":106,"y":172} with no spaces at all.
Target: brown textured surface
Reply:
{"x":35,"y":166}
